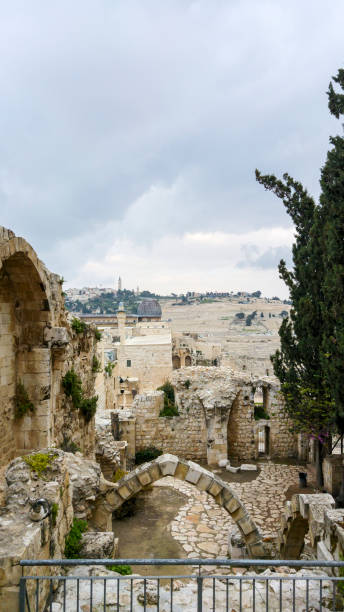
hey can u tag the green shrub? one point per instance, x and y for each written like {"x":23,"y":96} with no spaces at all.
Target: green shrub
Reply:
{"x":69,"y":446}
{"x":73,"y":539}
{"x":88,"y":407}
{"x":147,"y":454}
{"x":96,"y":365}
{"x":124,"y":570}
{"x":259,"y":412}
{"x":54,"y":512}
{"x":240,"y":315}
{"x":108,"y":368}
{"x":97,"y":334}
{"x":170,"y":409}
{"x":78,"y":326}
{"x":187,"y":384}
{"x":40,"y":462}
{"x":22,"y":404}
{"x":71,"y":384}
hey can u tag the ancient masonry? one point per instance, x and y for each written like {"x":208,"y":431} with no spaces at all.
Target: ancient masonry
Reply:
{"x":38,"y":347}
{"x":216,"y":417}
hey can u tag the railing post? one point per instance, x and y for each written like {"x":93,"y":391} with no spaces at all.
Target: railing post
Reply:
{"x":22,"y":587}
{"x":199,"y":594}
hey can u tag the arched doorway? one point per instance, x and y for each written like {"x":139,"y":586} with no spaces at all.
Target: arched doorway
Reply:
{"x":25,"y":359}
{"x":187,"y":360}
{"x":176,"y":362}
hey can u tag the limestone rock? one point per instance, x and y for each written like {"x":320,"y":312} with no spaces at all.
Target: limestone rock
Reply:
{"x":248,"y":467}
{"x":98,"y":545}
{"x":234,"y":470}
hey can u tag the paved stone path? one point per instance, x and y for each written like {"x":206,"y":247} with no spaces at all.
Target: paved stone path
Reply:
{"x":201,"y":526}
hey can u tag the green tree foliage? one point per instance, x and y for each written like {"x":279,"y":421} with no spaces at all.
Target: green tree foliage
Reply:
{"x":332,"y":223}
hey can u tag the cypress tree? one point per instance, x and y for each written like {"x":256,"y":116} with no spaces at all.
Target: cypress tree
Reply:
{"x":298,"y":363}
{"x":332,"y":222}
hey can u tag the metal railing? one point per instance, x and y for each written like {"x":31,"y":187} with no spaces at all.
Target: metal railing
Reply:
{"x":205,"y":590}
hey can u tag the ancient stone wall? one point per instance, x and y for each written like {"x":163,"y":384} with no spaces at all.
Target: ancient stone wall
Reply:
{"x":37,"y":347}
{"x":216,"y":418}
{"x":185,"y":434}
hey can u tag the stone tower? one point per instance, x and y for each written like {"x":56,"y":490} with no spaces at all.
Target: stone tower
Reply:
{"x":119,"y":287}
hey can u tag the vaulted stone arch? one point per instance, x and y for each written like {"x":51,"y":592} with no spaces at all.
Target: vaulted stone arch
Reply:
{"x":170,"y":465}
{"x":28,"y":308}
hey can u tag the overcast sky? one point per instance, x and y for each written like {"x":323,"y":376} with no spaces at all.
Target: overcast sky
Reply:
{"x":130,"y":131}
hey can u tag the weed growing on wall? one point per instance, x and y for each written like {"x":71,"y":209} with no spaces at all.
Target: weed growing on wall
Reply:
{"x":97,"y":335}
{"x":96,"y":365}
{"x":22,"y":404}
{"x":78,"y":326}
{"x":72,"y":387}
{"x":170,"y":409}
{"x":40,"y":462}
{"x":73,"y":539}
{"x":54,"y":512}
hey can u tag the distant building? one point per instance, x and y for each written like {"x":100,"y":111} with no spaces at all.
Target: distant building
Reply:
{"x":119,"y":286}
{"x":149,"y":310}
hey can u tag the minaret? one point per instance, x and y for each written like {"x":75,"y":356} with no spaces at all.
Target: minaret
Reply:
{"x":119,"y":284}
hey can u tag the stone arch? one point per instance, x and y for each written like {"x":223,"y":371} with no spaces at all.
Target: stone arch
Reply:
{"x":170,"y":465}
{"x":176,"y":362}
{"x":25,"y":358}
{"x":187,"y":360}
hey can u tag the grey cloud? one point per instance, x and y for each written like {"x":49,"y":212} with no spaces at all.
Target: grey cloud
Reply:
{"x":268,"y":259}
{"x":101,"y":101}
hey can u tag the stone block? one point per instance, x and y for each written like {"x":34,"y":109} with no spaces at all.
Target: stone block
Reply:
{"x":113,"y":499}
{"x":232,"y":505}
{"x":205,"y":481}
{"x":223,"y":462}
{"x":194,"y":473}
{"x":305,"y":500}
{"x":182,"y":470}
{"x":167,"y":464}
{"x":246,"y":525}
{"x":248,"y":467}
{"x":234,"y":470}
{"x":97,"y":545}
{"x":144,"y":478}
{"x":215,"y":487}
{"x":124,"y":492}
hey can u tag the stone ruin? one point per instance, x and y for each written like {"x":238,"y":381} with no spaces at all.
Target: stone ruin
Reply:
{"x":216,"y":418}
{"x":216,"y":406}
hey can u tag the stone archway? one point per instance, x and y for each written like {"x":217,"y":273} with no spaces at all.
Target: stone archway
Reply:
{"x":188,"y":361}
{"x":176,"y":362}
{"x":170,"y":465}
{"x":25,"y":358}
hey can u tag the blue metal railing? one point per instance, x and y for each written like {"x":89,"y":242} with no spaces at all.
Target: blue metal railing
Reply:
{"x":207,"y":592}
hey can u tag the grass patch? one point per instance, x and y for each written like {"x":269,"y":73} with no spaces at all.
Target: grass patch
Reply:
{"x":97,"y":335}
{"x":124,"y":570}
